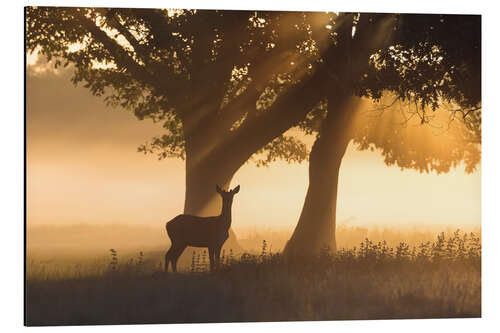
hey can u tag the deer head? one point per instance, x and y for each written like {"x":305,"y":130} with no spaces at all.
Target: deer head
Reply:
{"x":227,"y":196}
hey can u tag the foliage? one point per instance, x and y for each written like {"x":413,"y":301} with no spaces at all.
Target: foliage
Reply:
{"x":431,"y":71}
{"x":223,"y":73}
{"x":444,"y":141}
{"x":434,"y":59}
{"x":433,"y":66}
{"x":187,"y":68}
{"x":287,"y":148}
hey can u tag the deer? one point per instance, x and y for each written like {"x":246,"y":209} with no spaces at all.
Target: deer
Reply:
{"x":210,"y":232}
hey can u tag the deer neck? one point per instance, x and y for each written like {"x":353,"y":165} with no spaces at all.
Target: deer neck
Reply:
{"x":226,"y":214}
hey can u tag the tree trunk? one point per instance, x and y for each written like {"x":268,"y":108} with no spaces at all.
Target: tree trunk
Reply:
{"x":315,"y":229}
{"x":201,"y":199}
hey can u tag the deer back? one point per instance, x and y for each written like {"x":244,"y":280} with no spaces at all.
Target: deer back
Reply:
{"x":198,"y":231}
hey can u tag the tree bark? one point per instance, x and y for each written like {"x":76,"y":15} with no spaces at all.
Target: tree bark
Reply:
{"x":315,"y":229}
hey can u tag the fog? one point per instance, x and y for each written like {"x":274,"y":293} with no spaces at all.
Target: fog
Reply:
{"x":83,"y":167}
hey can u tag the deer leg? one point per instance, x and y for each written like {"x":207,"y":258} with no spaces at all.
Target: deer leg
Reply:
{"x":211,"y":252}
{"x":217,"y":256}
{"x":168,"y":257}
{"x":176,"y":255}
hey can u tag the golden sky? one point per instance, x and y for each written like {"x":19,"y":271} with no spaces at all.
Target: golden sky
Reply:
{"x":83,"y":166}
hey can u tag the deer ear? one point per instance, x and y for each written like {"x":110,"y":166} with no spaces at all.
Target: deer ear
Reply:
{"x":217,"y":188}
{"x":236,"y":189}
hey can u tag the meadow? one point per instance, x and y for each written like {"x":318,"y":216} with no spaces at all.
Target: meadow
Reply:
{"x":433,"y":278}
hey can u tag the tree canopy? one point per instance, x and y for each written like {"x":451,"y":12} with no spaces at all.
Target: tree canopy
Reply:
{"x":220,"y":69}
{"x":199,"y":72}
{"x":432,"y":71}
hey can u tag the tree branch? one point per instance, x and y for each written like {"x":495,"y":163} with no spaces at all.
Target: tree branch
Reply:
{"x":237,"y":107}
{"x":469,"y":111}
{"x":122,"y":58}
{"x":287,"y":111}
{"x":113,"y":21}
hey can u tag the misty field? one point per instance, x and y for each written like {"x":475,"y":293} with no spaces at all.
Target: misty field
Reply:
{"x":430,"y":279}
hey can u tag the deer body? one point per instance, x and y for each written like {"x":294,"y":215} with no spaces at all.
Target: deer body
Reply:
{"x":211,"y":232}
{"x":197,"y":231}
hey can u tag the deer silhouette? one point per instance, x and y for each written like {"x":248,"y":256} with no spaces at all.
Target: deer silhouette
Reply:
{"x":211,"y":232}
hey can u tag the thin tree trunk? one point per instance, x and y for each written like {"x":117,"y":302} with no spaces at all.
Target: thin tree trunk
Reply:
{"x":315,"y":229}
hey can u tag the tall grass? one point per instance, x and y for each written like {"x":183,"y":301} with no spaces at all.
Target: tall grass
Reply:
{"x":438,"y":279}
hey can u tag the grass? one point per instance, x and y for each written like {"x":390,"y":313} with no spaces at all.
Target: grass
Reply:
{"x":439,"y":279}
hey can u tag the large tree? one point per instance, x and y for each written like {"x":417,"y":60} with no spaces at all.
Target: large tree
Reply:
{"x":221,"y":82}
{"x":431,"y":66}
